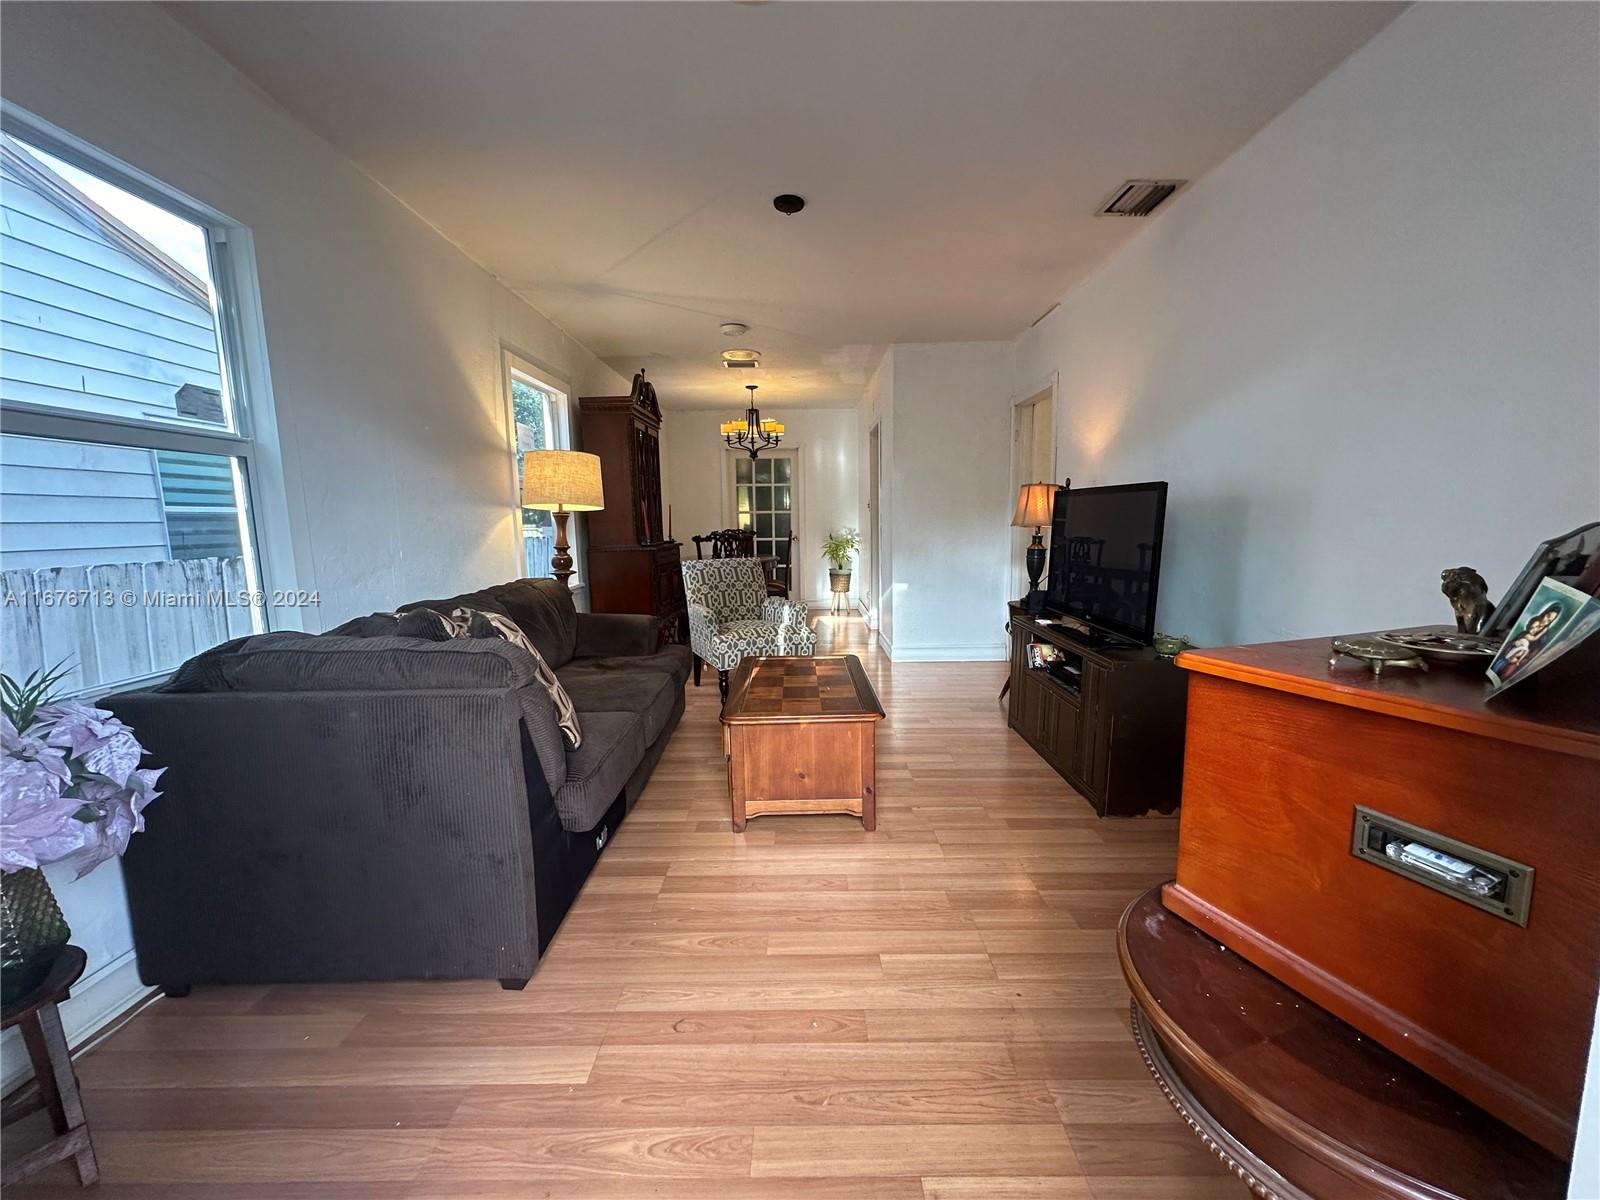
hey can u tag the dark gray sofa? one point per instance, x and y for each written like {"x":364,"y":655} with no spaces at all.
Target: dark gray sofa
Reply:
{"x":364,"y":806}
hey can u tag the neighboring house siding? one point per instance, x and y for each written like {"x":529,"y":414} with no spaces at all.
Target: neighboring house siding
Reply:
{"x":68,"y":504}
{"x":86,"y":326}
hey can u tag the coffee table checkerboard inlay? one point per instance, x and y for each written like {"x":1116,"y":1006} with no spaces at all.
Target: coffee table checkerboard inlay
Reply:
{"x":799,"y":735}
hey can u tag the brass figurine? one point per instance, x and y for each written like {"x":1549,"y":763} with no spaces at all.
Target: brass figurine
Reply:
{"x":1469,"y":596}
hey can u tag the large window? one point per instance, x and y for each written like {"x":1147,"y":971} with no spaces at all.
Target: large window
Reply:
{"x":126,"y":442}
{"x":539,"y":412}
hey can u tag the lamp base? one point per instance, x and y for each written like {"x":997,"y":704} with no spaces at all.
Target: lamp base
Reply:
{"x":1033,"y":602}
{"x":561,"y":561}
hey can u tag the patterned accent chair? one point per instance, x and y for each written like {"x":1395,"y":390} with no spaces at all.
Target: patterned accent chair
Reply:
{"x":731,"y":616}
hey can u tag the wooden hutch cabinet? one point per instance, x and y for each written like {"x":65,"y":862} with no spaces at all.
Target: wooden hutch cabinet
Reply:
{"x":633,"y":566}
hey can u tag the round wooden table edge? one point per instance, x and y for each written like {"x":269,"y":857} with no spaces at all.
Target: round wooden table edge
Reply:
{"x":1170,"y":1040}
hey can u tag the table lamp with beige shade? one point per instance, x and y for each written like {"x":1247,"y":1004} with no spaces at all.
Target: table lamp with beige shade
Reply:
{"x":1035,"y":507}
{"x":561,"y":482}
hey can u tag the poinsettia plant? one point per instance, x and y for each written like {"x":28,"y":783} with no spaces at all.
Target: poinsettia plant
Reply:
{"x":71,"y":788}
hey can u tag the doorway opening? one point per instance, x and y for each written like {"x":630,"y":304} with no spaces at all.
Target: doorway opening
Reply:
{"x":1033,"y":460}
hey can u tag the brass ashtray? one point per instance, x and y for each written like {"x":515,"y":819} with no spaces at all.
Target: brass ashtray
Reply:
{"x":1375,"y":652}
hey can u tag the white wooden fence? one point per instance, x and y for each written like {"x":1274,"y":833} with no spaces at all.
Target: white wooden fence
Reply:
{"x":120,"y":621}
{"x":538,"y":548}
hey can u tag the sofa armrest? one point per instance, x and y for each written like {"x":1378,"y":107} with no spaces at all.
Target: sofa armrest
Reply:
{"x":702,"y":628}
{"x":783,"y":613}
{"x":609,"y":635}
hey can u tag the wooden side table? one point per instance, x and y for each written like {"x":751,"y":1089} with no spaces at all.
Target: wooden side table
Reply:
{"x":1298,"y":1104}
{"x":55,"y":1083}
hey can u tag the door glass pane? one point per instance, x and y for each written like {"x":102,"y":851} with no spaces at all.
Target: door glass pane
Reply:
{"x":741,"y":470}
{"x":780,"y":469}
{"x":744,"y":498}
{"x":746,"y":521}
{"x":764,"y":526}
{"x":780,"y":525}
{"x":763,"y":470}
{"x":107,"y":305}
{"x":763,"y":498}
{"x":780,"y":498}
{"x":120,"y":562}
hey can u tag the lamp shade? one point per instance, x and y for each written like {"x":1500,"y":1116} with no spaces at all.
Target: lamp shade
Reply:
{"x":561,"y":481}
{"x":1035,"y":504}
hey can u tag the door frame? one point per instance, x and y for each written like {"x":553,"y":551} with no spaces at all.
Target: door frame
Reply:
{"x":869,"y":602}
{"x":1050,"y":389}
{"x":799,"y":577}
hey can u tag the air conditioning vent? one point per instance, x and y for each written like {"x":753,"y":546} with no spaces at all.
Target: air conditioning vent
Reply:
{"x":1140,"y":197}
{"x":738,"y":364}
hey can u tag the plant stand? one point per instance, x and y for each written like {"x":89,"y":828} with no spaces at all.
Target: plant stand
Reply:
{"x":839,"y":585}
{"x":55,"y":1083}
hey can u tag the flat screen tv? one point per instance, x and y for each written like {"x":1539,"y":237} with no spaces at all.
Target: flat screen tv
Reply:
{"x":1105,"y":557}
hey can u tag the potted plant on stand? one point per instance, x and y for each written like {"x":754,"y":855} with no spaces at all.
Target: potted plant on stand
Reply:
{"x":71,"y":789}
{"x":839,"y":548}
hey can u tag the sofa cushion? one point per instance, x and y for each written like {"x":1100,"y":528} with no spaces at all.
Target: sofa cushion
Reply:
{"x":424,"y":623}
{"x":484,"y":601}
{"x":300,"y":662}
{"x":650,"y":694}
{"x":542,"y":609}
{"x":675,"y":661}
{"x":613,"y":745}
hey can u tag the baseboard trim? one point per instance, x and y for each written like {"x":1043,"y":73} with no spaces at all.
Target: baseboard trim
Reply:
{"x":949,"y":652}
{"x":100,"y":1000}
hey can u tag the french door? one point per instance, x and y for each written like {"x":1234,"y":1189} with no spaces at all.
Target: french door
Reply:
{"x":765,"y":501}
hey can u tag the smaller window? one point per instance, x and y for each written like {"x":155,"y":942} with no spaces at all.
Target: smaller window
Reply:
{"x":539,"y":415}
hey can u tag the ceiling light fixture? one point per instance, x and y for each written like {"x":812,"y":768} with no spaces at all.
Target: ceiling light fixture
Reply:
{"x":741,"y":355}
{"x":752,"y":435}
{"x":734,"y":329}
{"x":788,"y":203}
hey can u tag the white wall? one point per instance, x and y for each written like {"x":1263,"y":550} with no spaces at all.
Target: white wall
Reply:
{"x":695,"y":481}
{"x":384,"y":341}
{"x":1363,"y":349}
{"x":947,"y":468}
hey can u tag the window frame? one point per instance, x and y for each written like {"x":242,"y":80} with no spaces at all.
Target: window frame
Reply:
{"x":251,"y":444}
{"x":558,"y":417}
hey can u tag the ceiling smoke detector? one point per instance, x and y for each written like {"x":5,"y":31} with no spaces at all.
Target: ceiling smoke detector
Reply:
{"x":1139,"y":197}
{"x":734,"y":329}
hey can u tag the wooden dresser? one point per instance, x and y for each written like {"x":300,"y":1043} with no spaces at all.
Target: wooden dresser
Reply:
{"x":633,"y":566}
{"x":1300,"y":778}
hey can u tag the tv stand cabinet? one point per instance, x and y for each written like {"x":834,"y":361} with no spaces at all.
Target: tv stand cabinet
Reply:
{"x":1117,"y":736}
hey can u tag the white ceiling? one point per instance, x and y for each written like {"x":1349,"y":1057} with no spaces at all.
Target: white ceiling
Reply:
{"x":615,"y":163}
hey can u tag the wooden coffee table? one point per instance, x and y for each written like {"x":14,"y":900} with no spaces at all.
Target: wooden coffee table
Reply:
{"x":799,"y":736}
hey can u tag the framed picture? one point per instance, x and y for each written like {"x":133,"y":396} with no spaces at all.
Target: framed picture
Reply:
{"x":1573,"y":559}
{"x":1042,"y":654}
{"x":1555,"y":620}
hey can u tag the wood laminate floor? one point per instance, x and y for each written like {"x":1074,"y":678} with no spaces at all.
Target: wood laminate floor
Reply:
{"x":805,"y":1010}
